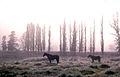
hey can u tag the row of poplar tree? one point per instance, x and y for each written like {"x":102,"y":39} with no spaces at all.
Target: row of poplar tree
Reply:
{"x":34,"y":39}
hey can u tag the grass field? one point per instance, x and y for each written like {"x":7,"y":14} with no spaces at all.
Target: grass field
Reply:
{"x":68,"y":67}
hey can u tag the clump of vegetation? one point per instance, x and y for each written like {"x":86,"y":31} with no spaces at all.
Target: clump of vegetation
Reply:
{"x":115,"y":59}
{"x":94,"y":67}
{"x":37,"y":64}
{"x":87,"y":72}
{"x":52,"y":71}
{"x":71,"y":72}
{"x":63,"y":75}
{"x":70,"y":75}
{"x":17,"y":63}
{"x":5,"y":72}
{"x":104,"y":66}
{"x":110,"y":72}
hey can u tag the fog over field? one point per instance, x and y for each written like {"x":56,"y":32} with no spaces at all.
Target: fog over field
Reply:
{"x":59,"y":38}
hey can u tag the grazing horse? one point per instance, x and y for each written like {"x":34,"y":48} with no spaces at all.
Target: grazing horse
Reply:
{"x":51,"y":57}
{"x":94,"y":58}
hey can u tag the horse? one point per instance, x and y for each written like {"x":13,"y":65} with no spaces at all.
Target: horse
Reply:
{"x":93,"y":57}
{"x":51,"y":57}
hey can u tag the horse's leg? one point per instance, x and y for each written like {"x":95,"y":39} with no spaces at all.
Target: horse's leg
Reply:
{"x":49,"y":60}
{"x":57,"y":60}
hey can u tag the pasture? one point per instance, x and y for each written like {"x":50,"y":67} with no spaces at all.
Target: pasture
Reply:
{"x":38,"y":66}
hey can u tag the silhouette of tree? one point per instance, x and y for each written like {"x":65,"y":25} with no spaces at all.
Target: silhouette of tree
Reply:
{"x":43,"y":39}
{"x":4,"y":45}
{"x":49,"y":39}
{"x":30,"y":35}
{"x":102,"y":39}
{"x":90,"y":40}
{"x":81,"y":39}
{"x":27,"y":42}
{"x":70,"y":44}
{"x":85,"y":41}
{"x":64,"y":37}
{"x":12,"y":42}
{"x":93,"y":38}
{"x":22,"y":42}
{"x":74,"y":41}
{"x":38,"y":38}
{"x":115,"y":26}
{"x":60,"y":38}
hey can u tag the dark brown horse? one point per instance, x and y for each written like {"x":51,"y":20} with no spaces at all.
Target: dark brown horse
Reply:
{"x":93,"y":57}
{"x":51,"y":57}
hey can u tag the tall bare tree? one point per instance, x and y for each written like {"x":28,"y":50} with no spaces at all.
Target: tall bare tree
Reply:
{"x":43,"y":39}
{"x":81,"y":39}
{"x":23,"y":42}
{"x":30,"y":37}
{"x":60,"y":38}
{"x":102,"y":39}
{"x":85,"y":41}
{"x":64,"y":37}
{"x":27,"y":42}
{"x":38,"y":38}
{"x":94,"y":38}
{"x":115,"y":26}
{"x":33,"y":36}
{"x":74,"y":41}
{"x":70,"y":45}
{"x":90,"y":40}
{"x":49,"y":39}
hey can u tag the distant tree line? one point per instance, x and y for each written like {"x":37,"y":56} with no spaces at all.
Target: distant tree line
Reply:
{"x":34,"y":39}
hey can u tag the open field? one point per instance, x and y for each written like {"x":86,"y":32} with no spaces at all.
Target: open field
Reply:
{"x":38,"y":66}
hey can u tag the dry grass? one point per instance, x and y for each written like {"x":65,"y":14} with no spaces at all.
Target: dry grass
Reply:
{"x":68,"y":67}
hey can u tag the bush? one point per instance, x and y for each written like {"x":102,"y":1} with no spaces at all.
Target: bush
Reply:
{"x":70,"y":75}
{"x":94,"y":67}
{"x":109,"y":72}
{"x":71,"y":72}
{"x":87,"y":72}
{"x":104,"y":66}
{"x":37,"y":64}
{"x":53,"y":71}
{"x":63,"y":75}
{"x":7,"y":73}
{"x":17,"y":63}
{"x":78,"y":76}
{"x":48,"y":72}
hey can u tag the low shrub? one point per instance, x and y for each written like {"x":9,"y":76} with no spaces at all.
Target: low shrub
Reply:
{"x":87,"y":72}
{"x":94,"y":67}
{"x":71,"y":72}
{"x":7,"y":73}
{"x":63,"y":75}
{"x":104,"y":66}
{"x":109,"y":72}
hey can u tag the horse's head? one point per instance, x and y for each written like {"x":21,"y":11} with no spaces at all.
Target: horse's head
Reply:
{"x":44,"y":54}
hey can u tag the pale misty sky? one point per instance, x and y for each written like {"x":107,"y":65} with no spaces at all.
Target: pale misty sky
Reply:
{"x":16,"y":14}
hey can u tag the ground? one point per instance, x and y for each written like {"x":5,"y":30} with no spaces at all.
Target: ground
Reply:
{"x":68,"y":67}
